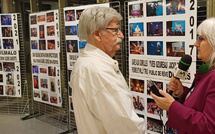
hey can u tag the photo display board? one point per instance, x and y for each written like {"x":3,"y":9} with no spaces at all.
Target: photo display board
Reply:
{"x":45,"y":57}
{"x":73,"y":44}
{"x":10,"y":75}
{"x":160,"y":33}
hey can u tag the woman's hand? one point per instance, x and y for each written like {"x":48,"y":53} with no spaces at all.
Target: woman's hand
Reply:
{"x":176,"y":86}
{"x":163,"y":102}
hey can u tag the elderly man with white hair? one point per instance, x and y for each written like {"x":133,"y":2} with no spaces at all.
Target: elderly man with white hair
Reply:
{"x":100,"y":94}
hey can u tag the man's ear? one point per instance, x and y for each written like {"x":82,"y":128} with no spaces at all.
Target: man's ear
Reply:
{"x":97,"y":35}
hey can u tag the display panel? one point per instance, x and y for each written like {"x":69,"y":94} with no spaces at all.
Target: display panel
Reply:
{"x":45,"y":57}
{"x":10,"y":72}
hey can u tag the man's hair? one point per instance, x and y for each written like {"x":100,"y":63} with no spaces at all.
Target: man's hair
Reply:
{"x":207,"y":28}
{"x":96,"y":18}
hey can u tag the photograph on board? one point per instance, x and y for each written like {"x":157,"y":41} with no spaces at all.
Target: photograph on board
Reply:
{"x":175,"y":7}
{"x":175,"y":49}
{"x":136,"y":29}
{"x":34,"y":44}
{"x":137,"y":47}
{"x":71,"y":30}
{"x":6,"y":20}
{"x":137,"y":85}
{"x":8,"y":44}
{"x":72,"y":46}
{"x":136,"y":10}
{"x":78,"y":13}
{"x":41,"y":32}
{"x":9,"y":66}
{"x":51,"y":44}
{"x":42,"y":44}
{"x":33,"y":19}
{"x":10,"y":90}
{"x":50,"y":17}
{"x":155,"y":29}
{"x":41,"y":18}
{"x":70,"y":15}
{"x":152,"y":107}
{"x":154,"y":125}
{"x":45,"y":96}
{"x":138,"y":103}
{"x":7,"y":32}
{"x":9,"y":79}
{"x":82,"y":44}
{"x":175,"y":28}
{"x":33,"y":32}
{"x":154,"y":8}
{"x":155,"y":48}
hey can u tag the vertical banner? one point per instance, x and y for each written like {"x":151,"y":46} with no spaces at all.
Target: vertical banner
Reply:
{"x":10,"y":76}
{"x":160,"y":33}
{"x":73,"y":44}
{"x":45,"y":57}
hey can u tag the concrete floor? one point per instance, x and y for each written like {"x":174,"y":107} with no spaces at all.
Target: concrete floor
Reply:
{"x":10,"y":124}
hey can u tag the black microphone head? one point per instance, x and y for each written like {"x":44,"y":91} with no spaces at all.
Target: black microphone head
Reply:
{"x":185,"y":62}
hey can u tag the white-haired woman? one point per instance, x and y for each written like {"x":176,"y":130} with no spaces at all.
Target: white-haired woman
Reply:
{"x":194,"y":112}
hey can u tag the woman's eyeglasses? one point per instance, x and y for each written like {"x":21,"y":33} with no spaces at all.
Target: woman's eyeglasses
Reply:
{"x":200,"y":38}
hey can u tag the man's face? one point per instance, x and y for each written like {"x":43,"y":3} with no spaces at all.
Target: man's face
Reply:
{"x":109,"y":38}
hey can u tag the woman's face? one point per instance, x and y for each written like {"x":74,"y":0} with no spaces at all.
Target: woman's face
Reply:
{"x":204,"y":48}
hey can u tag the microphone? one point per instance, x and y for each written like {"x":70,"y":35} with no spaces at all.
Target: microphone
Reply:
{"x":153,"y":87}
{"x":184,"y":64}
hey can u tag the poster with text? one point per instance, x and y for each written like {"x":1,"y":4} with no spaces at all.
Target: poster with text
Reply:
{"x":10,"y":74}
{"x":45,"y":57}
{"x":160,"y":32}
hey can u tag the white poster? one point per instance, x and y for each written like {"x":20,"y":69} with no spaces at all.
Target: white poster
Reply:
{"x":10,"y":76}
{"x":73,"y":44}
{"x":160,"y":32}
{"x":45,"y":57}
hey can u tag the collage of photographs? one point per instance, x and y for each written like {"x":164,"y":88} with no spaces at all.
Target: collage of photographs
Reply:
{"x":46,"y":83}
{"x":45,"y":45}
{"x":9,"y":46}
{"x":44,"y":31}
{"x":158,"y":37}
{"x":152,"y":29}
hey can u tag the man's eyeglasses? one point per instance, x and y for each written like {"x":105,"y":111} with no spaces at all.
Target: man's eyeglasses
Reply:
{"x":115,"y":30}
{"x":200,"y":38}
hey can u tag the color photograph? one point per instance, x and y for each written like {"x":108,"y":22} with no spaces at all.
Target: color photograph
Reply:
{"x":154,"y":8}
{"x":6,"y":20}
{"x":137,"y":47}
{"x":155,"y":48}
{"x":72,"y":46}
{"x":136,"y":29}
{"x":136,"y":10}
{"x":175,"y":49}
{"x":175,"y":28}
{"x":175,"y":7}
{"x":155,"y":29}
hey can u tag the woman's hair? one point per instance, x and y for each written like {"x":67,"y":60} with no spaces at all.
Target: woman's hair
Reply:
{"x":207,"y":28}
{"x":96,"y":18}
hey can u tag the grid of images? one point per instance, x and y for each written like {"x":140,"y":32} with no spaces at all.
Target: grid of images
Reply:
{"x":10,"y":78}
{"x":158,"y":36}
{"x":45,"y":50}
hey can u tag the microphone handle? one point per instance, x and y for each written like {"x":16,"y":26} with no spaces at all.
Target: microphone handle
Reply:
{"x":170,"y":92}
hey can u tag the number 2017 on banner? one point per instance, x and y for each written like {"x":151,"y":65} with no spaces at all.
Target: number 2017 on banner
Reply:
{"x":191,"y":22}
